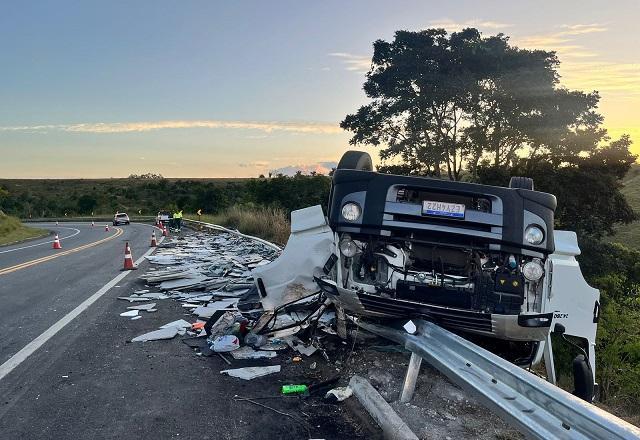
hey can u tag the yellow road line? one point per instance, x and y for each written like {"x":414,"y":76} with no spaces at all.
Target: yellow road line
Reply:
{"x":118,"y":233}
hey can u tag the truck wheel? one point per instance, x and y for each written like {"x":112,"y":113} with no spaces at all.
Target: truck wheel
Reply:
{"x":521,"y":182}
{"x":582,"y":379}
{"x":355,"y":160}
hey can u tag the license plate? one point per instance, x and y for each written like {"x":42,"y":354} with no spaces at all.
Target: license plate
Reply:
{"x":442,"y":209}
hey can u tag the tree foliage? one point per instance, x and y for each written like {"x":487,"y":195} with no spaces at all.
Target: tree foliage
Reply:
{"x":441,"y":103}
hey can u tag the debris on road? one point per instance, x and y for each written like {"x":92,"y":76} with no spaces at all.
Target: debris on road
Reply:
{"x":338,"y":394}
{"x":248,"y":373}
{"x":165,"y":333}
{"x":130,"y":313}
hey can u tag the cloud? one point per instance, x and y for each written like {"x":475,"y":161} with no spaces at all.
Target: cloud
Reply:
{"x":255,"y":164}
{"x":319,"y":167}
{"x":453,"y":26}
{"x":580,"y":67}
{"x":353,"y":63}
{"x":131,"y":127}
{"x":563,"y":41}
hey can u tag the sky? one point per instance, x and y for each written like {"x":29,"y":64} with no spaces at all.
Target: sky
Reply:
{"x":232,"y":89}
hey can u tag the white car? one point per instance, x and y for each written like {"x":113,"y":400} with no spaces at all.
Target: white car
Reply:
{"x":120,"y":218}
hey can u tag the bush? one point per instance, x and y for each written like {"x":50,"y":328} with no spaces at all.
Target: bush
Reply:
{"x":268,"y":223}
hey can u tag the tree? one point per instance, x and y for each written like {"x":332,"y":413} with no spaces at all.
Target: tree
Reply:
{"x":86,"y":203}
{"x":441,"y":103}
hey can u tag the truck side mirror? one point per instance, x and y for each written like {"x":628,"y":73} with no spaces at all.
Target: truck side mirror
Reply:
{"x":559,"y":328}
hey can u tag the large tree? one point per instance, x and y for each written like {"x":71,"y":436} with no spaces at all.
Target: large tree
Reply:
{"x":440,"y":103}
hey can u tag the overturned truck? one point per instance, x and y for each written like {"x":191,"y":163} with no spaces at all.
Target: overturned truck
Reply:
{"x":480,"y":260}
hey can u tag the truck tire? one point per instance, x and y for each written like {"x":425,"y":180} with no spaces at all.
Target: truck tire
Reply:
{"x":582,"y":379}
{"x":521,"y":183}
{"x":355,"y":160}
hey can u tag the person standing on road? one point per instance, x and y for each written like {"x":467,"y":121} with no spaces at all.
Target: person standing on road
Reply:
{"x":177,"y":219}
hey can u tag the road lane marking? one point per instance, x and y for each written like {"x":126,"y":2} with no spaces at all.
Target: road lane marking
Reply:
{"x":26,"y":264}
{"x":45,"y":242}
{"x":38,"y":342}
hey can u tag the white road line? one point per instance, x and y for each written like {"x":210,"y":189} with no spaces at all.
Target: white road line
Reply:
{"x":38,"y":342}
{"x":44,"y":242}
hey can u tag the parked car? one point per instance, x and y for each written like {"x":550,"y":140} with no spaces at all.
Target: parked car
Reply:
{"x":120,"y":218}
{"x":163,"y":216}
{"x":478,"y":259}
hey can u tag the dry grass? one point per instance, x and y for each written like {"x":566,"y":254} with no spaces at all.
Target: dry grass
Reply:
{"x":11,"y":230}
{"x":267,"y":223}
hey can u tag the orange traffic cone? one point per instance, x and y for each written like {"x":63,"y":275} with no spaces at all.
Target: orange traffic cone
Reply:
{"x":128,"y":259}
{"x":165,"y":233}
{"x":106,"y":228}
{"x":153,"y":239}
{"x":160,"y":225}
{"x":56,"y":243}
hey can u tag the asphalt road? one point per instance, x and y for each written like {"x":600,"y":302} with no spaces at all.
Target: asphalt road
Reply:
{"x":39,"y":285}
{"x":87,"y":381}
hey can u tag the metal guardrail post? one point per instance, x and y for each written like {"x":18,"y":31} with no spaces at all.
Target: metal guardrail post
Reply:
{"x":410,"y":378}
{"x":532,"y":405}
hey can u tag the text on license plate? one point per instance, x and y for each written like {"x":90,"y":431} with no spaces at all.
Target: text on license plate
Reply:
{"x":443,"y":209}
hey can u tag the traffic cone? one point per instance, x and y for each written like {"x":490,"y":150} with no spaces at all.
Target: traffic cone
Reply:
{"x":160,"y":225}
{"x":128,"y":259}
{"x":56,"y":222}
{"x":92,"y":224}
{"x":165,"y":233}
{"x":106,"y":228}
{"x":56,"y":243}
{"x":153,"y":239}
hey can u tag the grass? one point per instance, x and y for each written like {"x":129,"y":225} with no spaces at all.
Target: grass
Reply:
{"x":268,"y":223}
{"x":629,"y":235}
{"x":11,"y":230}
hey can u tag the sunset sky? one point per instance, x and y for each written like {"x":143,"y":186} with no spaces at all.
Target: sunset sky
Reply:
{"x":224,"y":89}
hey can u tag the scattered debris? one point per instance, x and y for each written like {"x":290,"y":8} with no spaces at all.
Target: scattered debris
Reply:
{"x":248,"y":373}
{"x":180,"y":323}
{"x":222,"y":344}
{"x":130,"y":313}
{"x":165,"y":333}
{"x":250,"y":353}
{"x":338,"y":394}
{"x":147,"y":307}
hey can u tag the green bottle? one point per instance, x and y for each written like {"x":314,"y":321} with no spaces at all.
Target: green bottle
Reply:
{"x":294,"y":389}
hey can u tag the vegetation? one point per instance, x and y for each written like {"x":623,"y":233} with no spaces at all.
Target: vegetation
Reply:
{"x":11,"y":230}
{"x":268,"y":223}
{"x":146,"y":196}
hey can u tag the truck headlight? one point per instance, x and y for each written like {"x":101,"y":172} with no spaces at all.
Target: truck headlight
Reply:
{"x":348,"y":247}
{"x":534,"y":235}
{"x":351,"y":211}
{"x":533,"y":270}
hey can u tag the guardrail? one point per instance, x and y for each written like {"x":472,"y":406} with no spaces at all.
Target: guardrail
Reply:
{"x":532,"y":405}
{"x":232,"y":231}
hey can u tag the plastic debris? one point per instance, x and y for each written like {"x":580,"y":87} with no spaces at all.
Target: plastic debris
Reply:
{"x":294,"y":389}
{"x":222,"y":344}
{"x":339,"y":394}
{"x":136,"y":317}
{"x":130,"y":313}
{"x":249,"y":373}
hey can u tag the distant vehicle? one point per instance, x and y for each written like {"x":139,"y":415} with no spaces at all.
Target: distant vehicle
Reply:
{"x":120,"y":218}
{"x":163,"y":216}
